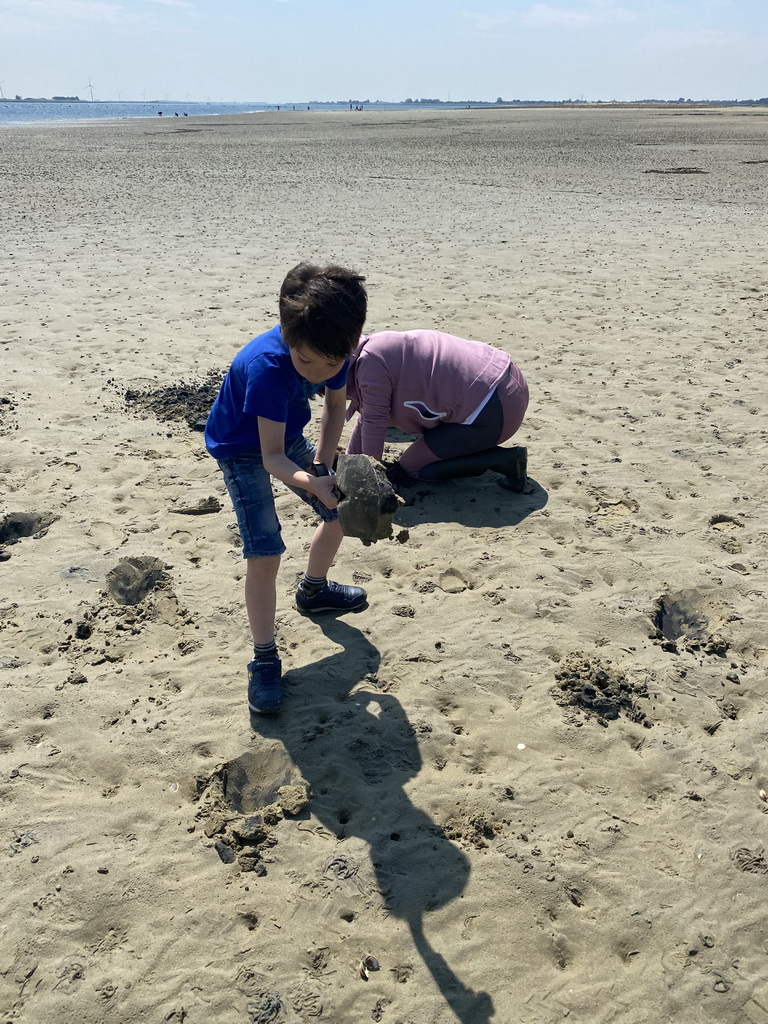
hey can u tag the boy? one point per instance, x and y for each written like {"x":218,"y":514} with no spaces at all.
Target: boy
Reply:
{"x":255,"y":431}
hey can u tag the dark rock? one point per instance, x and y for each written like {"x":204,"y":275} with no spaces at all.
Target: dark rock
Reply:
{"x":367,"y":500}
{"x":225,"y":852}
{"x":204,"y":507}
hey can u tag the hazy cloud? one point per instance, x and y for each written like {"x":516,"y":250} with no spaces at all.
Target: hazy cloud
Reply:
{"x":173,"y":3}
{"x":699,"y":39}
{"x":593,"y":12}
{"x":597,"y":13}
{"x":490,"y":22}
{"x":37,"y":15}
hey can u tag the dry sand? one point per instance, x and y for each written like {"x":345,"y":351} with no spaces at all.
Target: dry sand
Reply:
{"x":504,"y":853}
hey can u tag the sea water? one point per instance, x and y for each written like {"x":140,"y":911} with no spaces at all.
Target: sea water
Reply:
{"x":32,"y":111}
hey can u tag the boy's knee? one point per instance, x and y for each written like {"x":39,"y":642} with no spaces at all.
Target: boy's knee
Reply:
{"x":263,"y":569}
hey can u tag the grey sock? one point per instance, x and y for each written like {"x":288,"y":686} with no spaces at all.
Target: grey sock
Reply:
{"x":312,"y":585}
{"x":265,"y":650}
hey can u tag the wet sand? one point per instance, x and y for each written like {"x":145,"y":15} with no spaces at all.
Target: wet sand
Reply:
{"x":526,"y":778}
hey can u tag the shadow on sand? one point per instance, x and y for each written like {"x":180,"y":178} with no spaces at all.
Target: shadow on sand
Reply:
{"x":351,"y":746}
{"x":474,"y":502}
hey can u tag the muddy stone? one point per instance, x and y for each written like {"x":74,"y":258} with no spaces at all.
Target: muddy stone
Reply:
{"x":368,"y":502}
{"x":133,"y":578}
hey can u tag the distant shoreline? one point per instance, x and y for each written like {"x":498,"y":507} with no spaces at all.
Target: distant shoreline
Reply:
{"x":411,"y":104}
{"x":44,"y":99}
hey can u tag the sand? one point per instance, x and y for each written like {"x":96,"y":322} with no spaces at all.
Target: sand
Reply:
{"x":526,"y":778}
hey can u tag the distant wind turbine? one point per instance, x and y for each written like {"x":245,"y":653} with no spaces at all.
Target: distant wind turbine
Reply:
{"x":90,"y":87}
{"x":1,"y":89}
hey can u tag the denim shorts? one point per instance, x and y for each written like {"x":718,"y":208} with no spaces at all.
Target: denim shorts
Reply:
{"x":250,"y":488}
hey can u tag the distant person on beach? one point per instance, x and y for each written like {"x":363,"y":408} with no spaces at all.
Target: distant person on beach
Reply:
{"x":255,"y":432}
{"x":462,"y":397}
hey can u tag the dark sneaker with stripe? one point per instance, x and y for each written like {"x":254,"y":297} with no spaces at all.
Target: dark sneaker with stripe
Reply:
{"x":334,"y":597}
{"x":265,"y":690}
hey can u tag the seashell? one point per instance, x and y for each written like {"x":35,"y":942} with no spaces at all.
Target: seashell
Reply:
{"x":763,"y":795}
{"x":367,"y":964}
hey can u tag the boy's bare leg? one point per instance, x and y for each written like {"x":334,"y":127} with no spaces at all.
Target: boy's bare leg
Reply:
{"x":316,"y":593}
{"x":322,"y":550}
{"x":261,"y":597}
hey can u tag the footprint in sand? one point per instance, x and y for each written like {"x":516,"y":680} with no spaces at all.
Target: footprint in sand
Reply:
{"x":614,"y":506}
{"x":105,"y":536}
{"x":725,"y":523}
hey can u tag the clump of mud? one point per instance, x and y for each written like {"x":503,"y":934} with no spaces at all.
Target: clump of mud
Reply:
{"x":187,"y":401}
{"x":8,"y":421}
{"x":243,"y":799}
{"x":597,"y":688}
{"x":474,"y":828}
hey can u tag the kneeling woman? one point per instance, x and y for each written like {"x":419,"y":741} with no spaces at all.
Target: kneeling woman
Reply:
{"x":463,"y":397}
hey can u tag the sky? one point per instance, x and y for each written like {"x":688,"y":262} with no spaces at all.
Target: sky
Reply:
{"x":281,"y":51}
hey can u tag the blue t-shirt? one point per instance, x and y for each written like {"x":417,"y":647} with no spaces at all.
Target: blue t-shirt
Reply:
{"x":262,"y":381}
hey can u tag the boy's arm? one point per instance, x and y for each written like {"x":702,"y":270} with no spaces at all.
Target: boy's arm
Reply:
{"x":331,"y":425}
{"x":277,"y":463}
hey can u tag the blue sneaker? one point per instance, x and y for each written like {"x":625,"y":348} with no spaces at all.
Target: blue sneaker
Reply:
{"x":334,"y":597}
{"x":265,"y":691}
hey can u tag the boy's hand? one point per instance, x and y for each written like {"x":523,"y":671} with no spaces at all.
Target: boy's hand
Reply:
{"x":323,"y":487}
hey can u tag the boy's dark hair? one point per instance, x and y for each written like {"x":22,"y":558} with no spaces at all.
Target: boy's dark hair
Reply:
{"x":323,"y":308}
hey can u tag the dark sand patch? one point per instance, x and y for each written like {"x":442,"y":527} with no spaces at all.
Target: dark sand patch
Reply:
{"x":189,"y":401}
{"x":596,"y":687}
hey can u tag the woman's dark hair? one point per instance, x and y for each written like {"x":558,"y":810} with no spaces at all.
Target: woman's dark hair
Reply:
{"x":323,"y":308}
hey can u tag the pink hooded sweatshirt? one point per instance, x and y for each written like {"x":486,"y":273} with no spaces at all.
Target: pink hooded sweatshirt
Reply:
{"x":416,"y":380}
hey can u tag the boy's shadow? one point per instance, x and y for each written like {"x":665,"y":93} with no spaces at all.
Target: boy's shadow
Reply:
{"x":357,"y":751}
